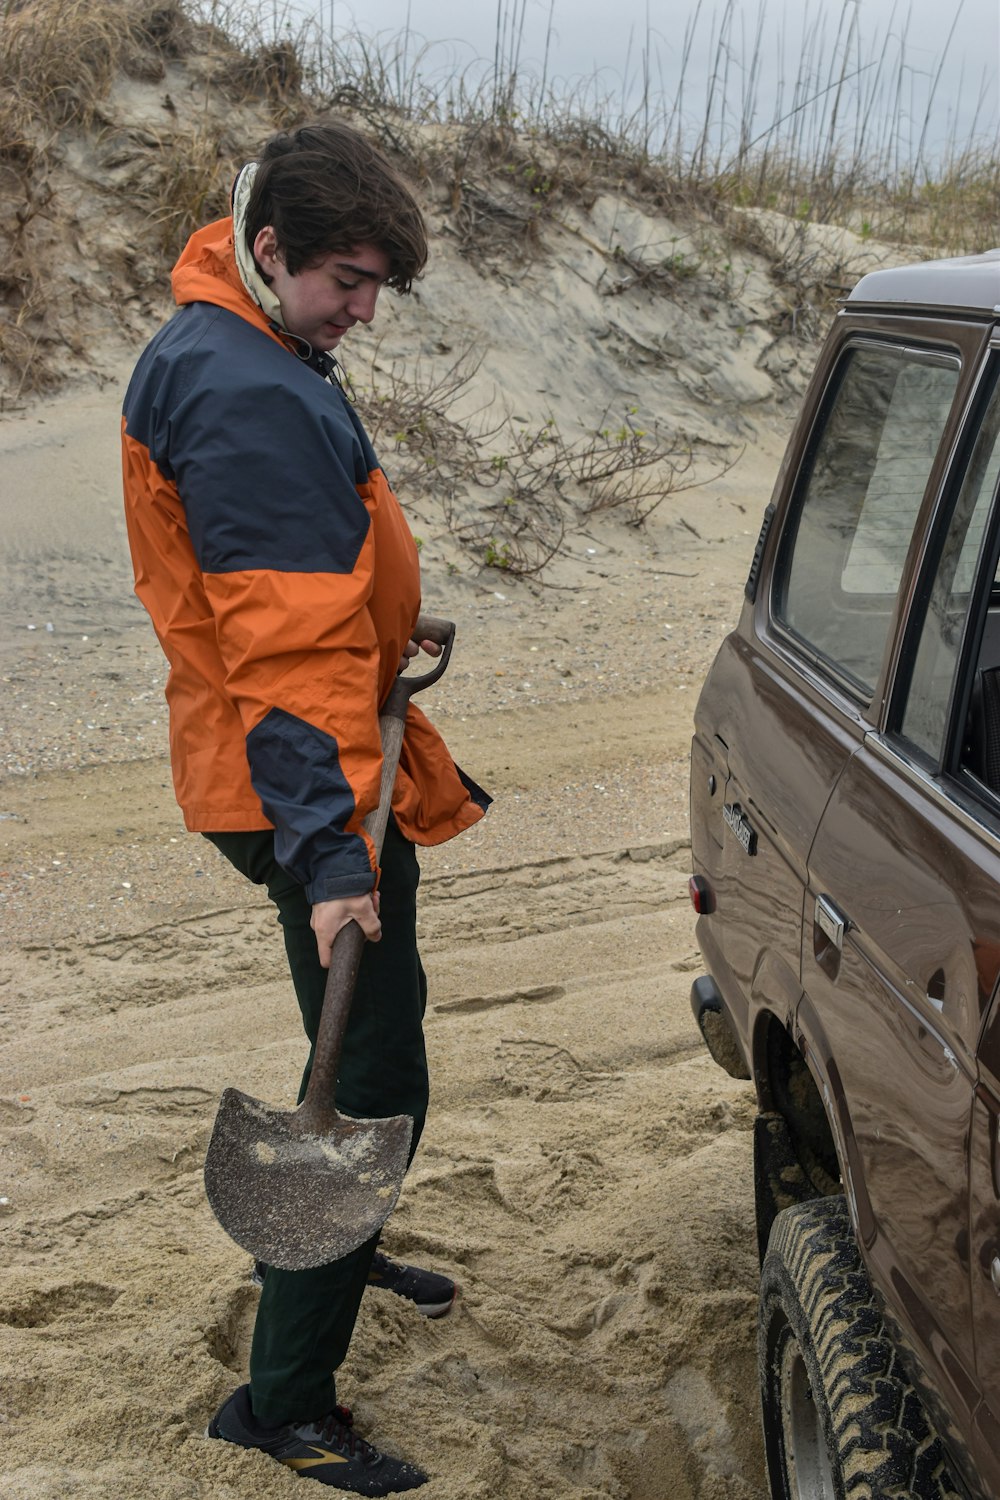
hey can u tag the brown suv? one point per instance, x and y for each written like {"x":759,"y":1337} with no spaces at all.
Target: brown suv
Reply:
{"x":845,"y":816}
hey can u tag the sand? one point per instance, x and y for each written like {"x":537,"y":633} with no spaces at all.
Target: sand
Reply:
{"x":585,"y":1174}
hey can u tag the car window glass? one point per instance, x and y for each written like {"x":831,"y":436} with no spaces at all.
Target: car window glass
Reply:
{"x":863,"y":487}
{"x":926,"y":713}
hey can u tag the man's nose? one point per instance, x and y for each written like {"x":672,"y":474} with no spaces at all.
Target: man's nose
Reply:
{"x":363,"y":300}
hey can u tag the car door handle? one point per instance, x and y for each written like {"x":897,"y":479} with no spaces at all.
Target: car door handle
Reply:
{"x":831,"y":921}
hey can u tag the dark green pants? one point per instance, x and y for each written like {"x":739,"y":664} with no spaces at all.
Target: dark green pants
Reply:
{"x":306,"y":1318}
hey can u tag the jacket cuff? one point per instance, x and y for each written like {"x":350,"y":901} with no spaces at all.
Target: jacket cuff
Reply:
{"x":339,"y":887}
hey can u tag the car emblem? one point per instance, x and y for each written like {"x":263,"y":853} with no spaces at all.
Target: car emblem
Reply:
{"x":733,"y":815}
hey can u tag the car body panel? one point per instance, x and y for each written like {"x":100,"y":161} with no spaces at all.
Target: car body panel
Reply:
{"x":902,"y":1015}
{"x":856,"y":888}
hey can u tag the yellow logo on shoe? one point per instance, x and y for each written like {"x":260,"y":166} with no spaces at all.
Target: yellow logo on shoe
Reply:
{"x":325,"y":1457}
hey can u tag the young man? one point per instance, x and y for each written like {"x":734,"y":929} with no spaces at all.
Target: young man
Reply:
{"x":283,"y":585}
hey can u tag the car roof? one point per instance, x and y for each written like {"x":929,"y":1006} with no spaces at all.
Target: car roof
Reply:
{"x":970,"y":282}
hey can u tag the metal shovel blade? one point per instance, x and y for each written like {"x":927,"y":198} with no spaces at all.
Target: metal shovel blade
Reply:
{"x":294,"y":1199}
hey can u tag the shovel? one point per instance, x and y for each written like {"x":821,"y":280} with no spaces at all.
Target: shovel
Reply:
{"x":302,"y":1187}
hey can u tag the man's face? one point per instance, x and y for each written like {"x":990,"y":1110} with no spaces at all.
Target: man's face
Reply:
{"x":322,"y":302}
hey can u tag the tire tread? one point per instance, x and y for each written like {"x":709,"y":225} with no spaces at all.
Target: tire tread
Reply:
{"x":886,"y":1446}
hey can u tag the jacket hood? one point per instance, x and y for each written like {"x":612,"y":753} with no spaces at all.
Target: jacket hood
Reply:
{"x":207,"y":272}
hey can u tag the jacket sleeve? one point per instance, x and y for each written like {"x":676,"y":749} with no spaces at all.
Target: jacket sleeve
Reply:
{"x":274,"y":488}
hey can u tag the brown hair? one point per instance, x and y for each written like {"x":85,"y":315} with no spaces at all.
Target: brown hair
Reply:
{"x":326,"y":188}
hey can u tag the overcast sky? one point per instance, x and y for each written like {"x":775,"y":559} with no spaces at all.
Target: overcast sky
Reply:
{"x":593,"y":36}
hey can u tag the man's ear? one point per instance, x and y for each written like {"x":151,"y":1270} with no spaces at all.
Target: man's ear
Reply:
{"x":265,"y":250}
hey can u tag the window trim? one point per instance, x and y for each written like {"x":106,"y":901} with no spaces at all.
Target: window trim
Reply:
{"x":985,"y":389}
{"x":962,"y":796}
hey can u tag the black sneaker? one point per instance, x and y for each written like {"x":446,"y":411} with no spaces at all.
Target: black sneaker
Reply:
{"x":431,"y":1293}
{"x":329,"y":1451}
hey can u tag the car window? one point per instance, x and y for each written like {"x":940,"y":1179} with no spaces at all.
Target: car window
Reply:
{"x":925,"y":716}
{"x":861,"y":487}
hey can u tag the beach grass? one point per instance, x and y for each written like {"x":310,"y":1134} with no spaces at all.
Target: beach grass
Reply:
{"x":850,"y":136}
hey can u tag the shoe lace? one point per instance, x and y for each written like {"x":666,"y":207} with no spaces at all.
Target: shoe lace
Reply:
{"x":338,"y":1427}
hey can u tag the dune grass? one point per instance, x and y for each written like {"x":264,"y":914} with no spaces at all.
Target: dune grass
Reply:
{"x":844,"y":137}
{"x":849,"y":135}
{"x":59,"y":57}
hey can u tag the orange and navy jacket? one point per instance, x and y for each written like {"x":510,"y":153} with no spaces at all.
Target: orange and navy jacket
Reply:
{"x":283,"y":584}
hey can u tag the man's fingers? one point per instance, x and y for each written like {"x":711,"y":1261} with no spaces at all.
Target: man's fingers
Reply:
{"x":411,"y":649}
{"x":371,"y":927}
{"x":328,"y":917}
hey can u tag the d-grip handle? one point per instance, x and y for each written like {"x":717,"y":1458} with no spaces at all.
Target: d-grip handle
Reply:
{"x":392,"y":718}
{"x":442,"y":633}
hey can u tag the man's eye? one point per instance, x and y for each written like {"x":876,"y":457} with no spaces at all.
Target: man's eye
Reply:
{"x":347,"y":286}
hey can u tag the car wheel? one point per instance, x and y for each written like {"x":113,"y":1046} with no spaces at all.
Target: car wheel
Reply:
{"x":840,"y":1417}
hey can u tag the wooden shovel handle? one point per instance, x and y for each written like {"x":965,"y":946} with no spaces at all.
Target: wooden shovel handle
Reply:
{"x":317,"y":1108}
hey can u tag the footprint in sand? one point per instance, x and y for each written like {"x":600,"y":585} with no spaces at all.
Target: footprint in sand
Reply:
{"x":544,"y":1071}
{"x":71,"y":1301}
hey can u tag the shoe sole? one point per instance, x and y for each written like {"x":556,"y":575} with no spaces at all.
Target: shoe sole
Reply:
{"x":436,"y":1309}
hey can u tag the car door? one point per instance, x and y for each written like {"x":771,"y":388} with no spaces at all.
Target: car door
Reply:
{"x":788,"y":701}
{"x":901,"y":945}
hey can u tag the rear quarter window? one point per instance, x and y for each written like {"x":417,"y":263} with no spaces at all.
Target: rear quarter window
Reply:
{"x":857,"y":497}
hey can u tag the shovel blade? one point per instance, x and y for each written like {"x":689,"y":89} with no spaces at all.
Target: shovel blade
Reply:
{"x":296,"y":1200}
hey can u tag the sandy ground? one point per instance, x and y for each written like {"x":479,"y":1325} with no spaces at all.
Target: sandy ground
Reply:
{"x":585,"y":1173}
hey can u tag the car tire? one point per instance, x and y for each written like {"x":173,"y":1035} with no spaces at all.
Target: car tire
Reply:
{"x":840,"y":1416}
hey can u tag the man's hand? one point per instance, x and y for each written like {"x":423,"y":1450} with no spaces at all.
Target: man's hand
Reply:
{"x":328,"y":917}
{"x":412,"y":647}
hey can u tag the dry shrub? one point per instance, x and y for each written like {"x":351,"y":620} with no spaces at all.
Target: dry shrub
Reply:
{"x":271,"y":71}
{"x":62,"y":57}
{"x":493,"y":225}
{"x":22,"y":307}
{"x":811,"y":274}
{"x":408,"y":412}
{"x":58,"y":59}
{"x":512,"y":493}
{"x":503,"y":184}
{"x":185,"y":181}
{"x":166,"y":29}
{"x":19,"y":143}
{"x":548,"y":488}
